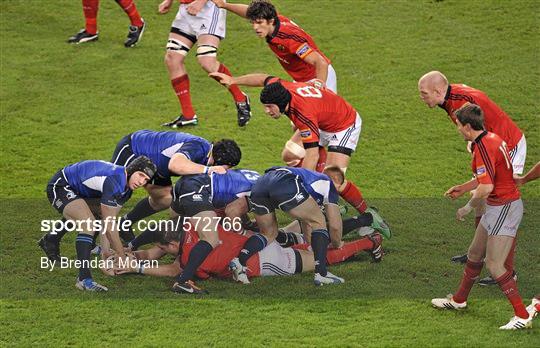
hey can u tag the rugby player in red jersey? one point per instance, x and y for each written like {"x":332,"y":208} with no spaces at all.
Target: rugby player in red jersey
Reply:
{"x":436,"y":91}
{"x":497,"y":229}
{"x":323,"y":118}
{"x":297,"y":53}
{"x":198,"y":22}
{"x":90,"y":32}
{"x":272,"y":260}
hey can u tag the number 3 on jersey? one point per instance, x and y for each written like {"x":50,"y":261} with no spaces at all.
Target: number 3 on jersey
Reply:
{"x":309,"y":92}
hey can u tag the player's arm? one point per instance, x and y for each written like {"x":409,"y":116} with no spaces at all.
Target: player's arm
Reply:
{"x":335,"y":225}
{"x":531,"y":175}
{"x":108,"y":214}
{"x":320,"y":64}
{"x":250,"y":80}
{"x":181,"y":165}
{"x":477,"y":201}
{"x":312,"y":156}
{"x":457,"y":191}
{"x":238,"y":9}
{"x":154,"y":253}
{"x":164,"y":6}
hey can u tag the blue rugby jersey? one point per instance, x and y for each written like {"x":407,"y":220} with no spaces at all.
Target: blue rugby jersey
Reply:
{"x":99,"y":179}
{"x":161,"y":146}
{"x":232,"y":185}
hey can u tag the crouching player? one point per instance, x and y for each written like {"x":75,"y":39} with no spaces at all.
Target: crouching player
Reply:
{"x":197,"y":197}
{"x":68,"y":191}
{"x":174,"y":153}
{"x":301,"y":193}
{"x":497,"y":229}
{"x":272,"y":260}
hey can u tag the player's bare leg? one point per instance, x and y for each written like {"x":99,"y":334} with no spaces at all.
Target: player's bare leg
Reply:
{"x":498,"y":248}
{"x":178,"y":47}
{"x":207,"y":46}
{"x":78,"y":210}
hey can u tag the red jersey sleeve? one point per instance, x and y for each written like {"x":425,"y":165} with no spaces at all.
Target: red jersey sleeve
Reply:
{"x":483,"y":165}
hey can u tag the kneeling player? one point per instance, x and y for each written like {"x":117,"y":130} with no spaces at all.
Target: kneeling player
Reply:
{"x":301,"y":193}
{"x":113,"y":185}
{"x":197,"y":197}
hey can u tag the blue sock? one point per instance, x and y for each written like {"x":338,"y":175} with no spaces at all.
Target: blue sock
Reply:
{"x":319,"y":243}
{"x":253,"y":245}
{"x":196,"y":257}
{"x":83,"y":245}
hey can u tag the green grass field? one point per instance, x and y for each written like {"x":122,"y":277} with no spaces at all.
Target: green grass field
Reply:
{"x":61,"y":104}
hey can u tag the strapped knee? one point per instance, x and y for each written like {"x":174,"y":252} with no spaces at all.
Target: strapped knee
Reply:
{"x":177,"y":47}
{"x":206,"y":51}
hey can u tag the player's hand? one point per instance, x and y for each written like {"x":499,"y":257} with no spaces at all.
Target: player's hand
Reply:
{"x":462,"y":212}
{"x":217,"y":169}
{"x":520,"y":181}
{"x":224,"y":79}
{"x":319,"y":84}
{"x":219,"y":3}
{"x":195,"y":7}
{"x":454,"y":192}
{"x":165,"y":6}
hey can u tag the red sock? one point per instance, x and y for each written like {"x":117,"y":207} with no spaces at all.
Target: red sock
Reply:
{"x":131,"y":10}
{"x":181,"y":88}
{"x":322,"y":160}
{"x":90,"y":9}
{"x":237,"y":94}
{"x":349,"y":249}
{"x":470,"y":274}
{"x":353,"y":196}
{"x":509,"y":262}
{"x":509,"y":288}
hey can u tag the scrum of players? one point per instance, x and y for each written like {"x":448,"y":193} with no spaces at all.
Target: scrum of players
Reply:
{"x":326,"y":131}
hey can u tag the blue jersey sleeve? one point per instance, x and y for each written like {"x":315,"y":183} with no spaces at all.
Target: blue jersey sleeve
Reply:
{"x":195,"y":152}
{"x":114,"y":193}
{"x":333,"y":195}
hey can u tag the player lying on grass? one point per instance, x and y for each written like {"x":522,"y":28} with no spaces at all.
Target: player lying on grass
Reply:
{"x":436,"y":91}
{"x":68,"y":192}
{"x":272,"y":260}
{"x":297,"y":53}
{"x":497,"y":229}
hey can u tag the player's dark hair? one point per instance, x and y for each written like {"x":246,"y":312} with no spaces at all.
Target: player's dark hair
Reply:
{"x":261,"y":9}
{"x":471,"y":114}
{"x":141,"y":164}
{"x":170,"y":234}
{"x":335,"y":170}
{"x":275,"y":93}
{"x":226,"y":152}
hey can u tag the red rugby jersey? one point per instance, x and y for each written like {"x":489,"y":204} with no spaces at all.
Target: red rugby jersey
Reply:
{"x":313,"y":109}
{"x":495,"y":119}
{"x":291,"y":45}
{"x":491,"y":164}
{"x":217,"y":263}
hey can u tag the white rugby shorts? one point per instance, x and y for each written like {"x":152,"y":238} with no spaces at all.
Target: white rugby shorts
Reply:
{"x":503,"y":220}
{"x":347,"y":138}
{"x":276,"y":260}
{"x":210,"y":20}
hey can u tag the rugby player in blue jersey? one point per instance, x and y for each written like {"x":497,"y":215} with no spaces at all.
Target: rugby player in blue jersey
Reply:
{"x":301,"y":193}
{"x":174,"y":154}
{"x":197,"y":197}
{"x":70,"y":192}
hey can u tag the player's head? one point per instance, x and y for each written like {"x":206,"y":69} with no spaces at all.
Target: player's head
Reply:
{"x":170,"y":240}
{"x":432,"y":87}
{"x":263,"y":16}
{"x":140,"y":171}
{"x":470,"y":120}
{"x":226,"y":153}
{"x":275,"y":99}
{"x":336,"y":175}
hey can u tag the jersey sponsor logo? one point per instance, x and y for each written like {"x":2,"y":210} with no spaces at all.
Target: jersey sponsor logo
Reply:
{"x":306,"y":133}
{"x":197,"y":198}
{"x":303,"y":51}
{"x":299,"y":197}
{"x":480,"y":171}
{"x":58,"y":203}
{"x":70,"y":195}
